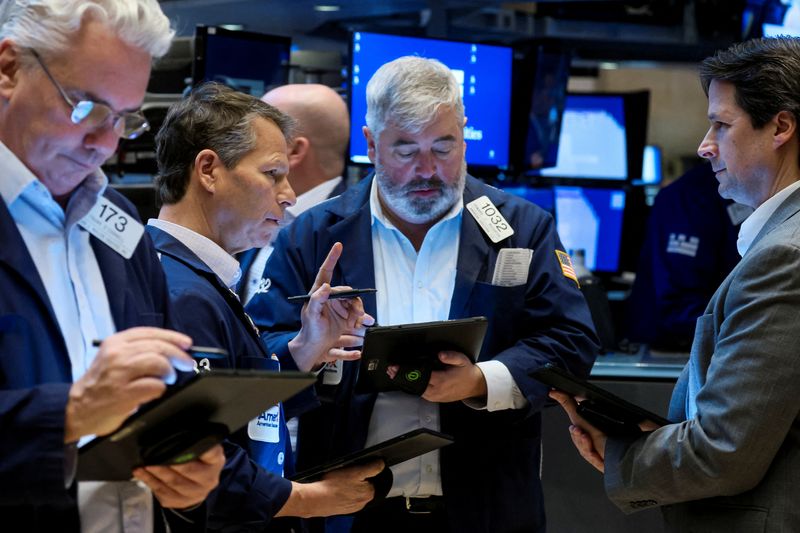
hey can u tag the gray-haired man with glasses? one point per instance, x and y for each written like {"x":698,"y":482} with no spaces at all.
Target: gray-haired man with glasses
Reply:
{"x":76,"y":267}
{"x":91,"y":114}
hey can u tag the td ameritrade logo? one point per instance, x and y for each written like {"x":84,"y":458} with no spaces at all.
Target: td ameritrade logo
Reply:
{"x":266,"y":426}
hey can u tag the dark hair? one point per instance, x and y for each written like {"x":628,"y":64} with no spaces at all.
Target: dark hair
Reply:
{"x":765,"y":73}
{"x":213,"y":117}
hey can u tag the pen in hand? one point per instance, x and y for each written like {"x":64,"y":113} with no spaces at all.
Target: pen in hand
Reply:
{"x":182,"y":364}
{"x":347,"y":293}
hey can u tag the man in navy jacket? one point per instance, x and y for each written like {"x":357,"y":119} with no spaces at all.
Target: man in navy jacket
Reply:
{"x":411,"y":233}
{"x":223,"y":167}
{"x":70,"y":75}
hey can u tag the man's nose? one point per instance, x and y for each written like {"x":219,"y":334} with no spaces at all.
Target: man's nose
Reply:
{"x":708,"y":147}
{"x":426,"y":166}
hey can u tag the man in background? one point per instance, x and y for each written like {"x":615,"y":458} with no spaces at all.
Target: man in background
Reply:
{"x":690,"y":247}
{"x":77,"y":268}
{"x":316,"y":162}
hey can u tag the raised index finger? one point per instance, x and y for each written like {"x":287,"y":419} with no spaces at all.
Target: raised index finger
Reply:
{"x":326,"y":269}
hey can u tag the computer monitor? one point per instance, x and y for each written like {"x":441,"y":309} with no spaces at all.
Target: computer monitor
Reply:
{"x":541,"y":78}
{"x":590,"y":219}
{"x":652,"y":165}
{"x":770,"y":18}
{"x":483,"y":71}
{"x":592,"y":144}
{"x":541,"y":196}
{"x":246,"y":61}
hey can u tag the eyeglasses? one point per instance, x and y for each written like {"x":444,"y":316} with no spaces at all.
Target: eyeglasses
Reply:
{"x":95,"y":114}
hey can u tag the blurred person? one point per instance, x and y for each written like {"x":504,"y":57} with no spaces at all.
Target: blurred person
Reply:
{"x":316,"y":163}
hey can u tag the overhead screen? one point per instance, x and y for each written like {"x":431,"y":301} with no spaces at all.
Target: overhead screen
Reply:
{"x":652,"y":165}
{"x":592,"y":143}
{"x":249,"y":62}
{"x":587,"y":218}
{"x":548,"y":91}
{"x":483,"y":71}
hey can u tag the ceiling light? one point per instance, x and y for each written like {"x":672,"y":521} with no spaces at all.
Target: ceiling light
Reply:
{"x":327,"y":8}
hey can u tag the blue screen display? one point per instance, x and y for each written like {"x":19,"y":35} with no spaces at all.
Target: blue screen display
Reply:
{"x":590,"y":219}
{"x":248,"y":62}
{"x":541,"y":196}
{"x":483,"y":71}
{"x":651,"y":165}
{"x":592,"y":143}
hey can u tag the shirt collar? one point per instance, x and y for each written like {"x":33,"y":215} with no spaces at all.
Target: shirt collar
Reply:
{"x":20,"y":183}
{"x":379,"y":215}
{"x":313,"y":196}
{"x":221,"y":263}
{"x":751,"y":227}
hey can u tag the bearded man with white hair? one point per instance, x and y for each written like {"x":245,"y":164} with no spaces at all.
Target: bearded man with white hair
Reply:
{"x":437,"y":245}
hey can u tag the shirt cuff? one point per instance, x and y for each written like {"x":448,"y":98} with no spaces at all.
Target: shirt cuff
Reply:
{"x":502,"y":391}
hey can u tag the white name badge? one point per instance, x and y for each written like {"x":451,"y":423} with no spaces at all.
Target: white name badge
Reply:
{"x":489,"y":218}
{"x":332,"y":372}
{"x":266,"y":426}
{"x":512,"y":267}
{"x":113,"y":226}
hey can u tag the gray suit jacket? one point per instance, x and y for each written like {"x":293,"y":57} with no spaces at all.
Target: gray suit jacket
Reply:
{"x":735,"y":467}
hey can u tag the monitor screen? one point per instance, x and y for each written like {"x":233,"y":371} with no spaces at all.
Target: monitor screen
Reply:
{"x":593,"y":140}
{"x":652,"y":165}
{"x":249,"y":62}
{"x":541,"y":196}
{"x":483,"y":71}
{"x":590,"y":219}
{"x":771,"y":17}
{"x":546,"y":107}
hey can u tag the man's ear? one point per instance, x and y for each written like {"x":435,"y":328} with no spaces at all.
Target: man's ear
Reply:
{"x":206,"y":169}
{"x":785,"y":125}
{"x":298,"y":150}
{"x":9,"y":68}
{"x":370,"y":143}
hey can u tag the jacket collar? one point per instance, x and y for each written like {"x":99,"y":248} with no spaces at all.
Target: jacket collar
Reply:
{"x":786,"y":210}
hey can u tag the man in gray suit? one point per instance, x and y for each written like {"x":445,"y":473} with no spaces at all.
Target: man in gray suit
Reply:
{"x":730,"y":462}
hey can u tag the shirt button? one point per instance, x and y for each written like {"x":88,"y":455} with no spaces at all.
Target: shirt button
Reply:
{"x":427,"y":419}
{"x":428,"y":469}
{"x":419,"y":284}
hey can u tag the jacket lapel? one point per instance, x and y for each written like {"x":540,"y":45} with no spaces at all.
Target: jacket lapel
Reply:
{"x":354,"y":230}
{"x":472,"y":252}
{"x":787,"y":209}
{"x":14,"y":254}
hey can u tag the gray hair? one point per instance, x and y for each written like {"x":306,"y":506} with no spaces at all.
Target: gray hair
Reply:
{"x":765,"y":73}
{"x":213,"y":117}
{"x":47,"y":25}
{"x":408,"y":92}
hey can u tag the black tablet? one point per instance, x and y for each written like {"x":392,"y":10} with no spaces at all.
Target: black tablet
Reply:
{"x":187,"y":420}
{"x":393,"y":451}
{"x":607,"y":412}
{"x":412,"y":344}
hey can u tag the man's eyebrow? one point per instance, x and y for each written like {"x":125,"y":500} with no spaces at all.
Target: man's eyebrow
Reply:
{"x":445,"y":138}
{"x":402,"y":142}
{"x":85,"y":95}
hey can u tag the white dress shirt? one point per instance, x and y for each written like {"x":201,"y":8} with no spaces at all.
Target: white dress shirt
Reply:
{"x":221,"y":263}
{"x":752,"y":225}
{"x":68,"y":268}
{"x":418,"y":287}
